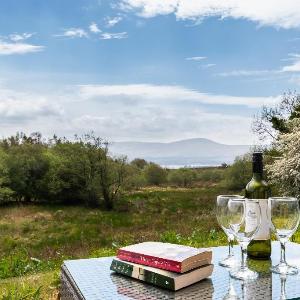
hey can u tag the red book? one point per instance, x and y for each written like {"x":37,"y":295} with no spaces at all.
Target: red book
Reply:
{"x":171,"y":257}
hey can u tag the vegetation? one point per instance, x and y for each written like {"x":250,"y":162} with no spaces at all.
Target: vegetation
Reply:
{"x":66,"y":199}
{"x":281,"y":124}
{"x":274,"y":120}
{"x":237,"y":175}
{"x":35,"y":239}
{"x":59,"y":170}
{"x":80,"y":171}
{"x":285,"y":170}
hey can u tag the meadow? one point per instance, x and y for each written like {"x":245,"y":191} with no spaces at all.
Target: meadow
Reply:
{"x":36,"y":239}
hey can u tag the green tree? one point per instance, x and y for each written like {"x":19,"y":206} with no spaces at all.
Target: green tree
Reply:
{"x":135,"y":178}
{"x":155,"y":174}
{"x":69,"y":173}
{"x":182,"y":177}
{"x":107,"y":172}
{"x":27,"y":166}
{"x":6,"y":193}
{"x":239,"y":173}
{"x":272,"y":121}
{"x":284,"y":171}
{"x":139,"y":163}
{"x":60,"y":170}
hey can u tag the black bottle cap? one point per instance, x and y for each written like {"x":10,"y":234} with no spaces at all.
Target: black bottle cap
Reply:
{"x":257,"y":159}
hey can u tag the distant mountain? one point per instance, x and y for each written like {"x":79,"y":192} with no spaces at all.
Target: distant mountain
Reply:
{"x":191,"y":152}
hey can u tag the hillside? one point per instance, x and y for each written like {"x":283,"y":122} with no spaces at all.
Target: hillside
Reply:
{"x":190,"y":152}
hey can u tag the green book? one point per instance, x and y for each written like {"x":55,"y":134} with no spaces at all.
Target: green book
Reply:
{"x":162,"y":278}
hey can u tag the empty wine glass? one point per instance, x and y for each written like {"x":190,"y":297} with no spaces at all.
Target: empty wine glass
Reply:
{"x":222,"y":215}
{"x":285,"y":221}
{"x":245,"y":219}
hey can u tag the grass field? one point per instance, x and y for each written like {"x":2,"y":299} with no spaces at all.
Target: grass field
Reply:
{"x":34,"y":240}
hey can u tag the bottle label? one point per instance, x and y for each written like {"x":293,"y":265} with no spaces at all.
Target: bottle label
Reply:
{"x":264,"y":229}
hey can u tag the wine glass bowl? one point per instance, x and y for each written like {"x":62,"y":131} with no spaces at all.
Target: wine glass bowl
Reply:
{"x":285,"y":221}
{"x":223,"y":219}
{"x":245,"y":220}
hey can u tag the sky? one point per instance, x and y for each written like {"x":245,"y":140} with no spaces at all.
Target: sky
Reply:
{"x":145,"y":70}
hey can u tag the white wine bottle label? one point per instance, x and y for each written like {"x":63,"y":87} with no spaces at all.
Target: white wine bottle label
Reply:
{"x":264,"y":229}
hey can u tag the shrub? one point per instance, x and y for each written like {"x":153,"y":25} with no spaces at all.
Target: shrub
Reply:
{"x":284,"y":172}
{"x":182,"y":177}
{"x":154,"y":174}
{"x":211,"y":174}
{"x":238,"y":174}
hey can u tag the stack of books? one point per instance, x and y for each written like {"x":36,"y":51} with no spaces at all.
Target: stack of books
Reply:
{"x":166,"y":265}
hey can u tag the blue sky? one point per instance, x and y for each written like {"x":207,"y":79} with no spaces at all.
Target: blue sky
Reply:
{"x":145,"y":70}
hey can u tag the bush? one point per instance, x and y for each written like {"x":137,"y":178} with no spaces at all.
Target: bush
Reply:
{"x":135,"y":179}
{"x":182,"y":177}
{"x":154,"y":174}
{"x":238,"y":174}
{"x":210,"y":175}
{"x":284,"y":172}
{"x":27,"y":166}
{"x":139,"y":163}
{"x":60,"y":170}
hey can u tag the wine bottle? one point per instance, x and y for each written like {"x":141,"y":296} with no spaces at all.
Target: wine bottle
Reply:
{"x":257,"y":188}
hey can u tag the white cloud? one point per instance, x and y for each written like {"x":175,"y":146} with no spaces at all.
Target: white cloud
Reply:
{"x":73,"y":33}
{"x":7,"y":48}
{"x":20,"y":37}
{"x":94,"y":28}
{"x":206,"y":66}
{"x":171,"y":93}
{"x":239,"y":73}
{"x":278,"y":13}
{"x":166,"y":123}
{"x":129,"y":112}
{"x":196,"y":58}
{"x":109,"y":36}
{"x":111,"y":22}
{"x":294,"y":66}
{"x":19,"y":106}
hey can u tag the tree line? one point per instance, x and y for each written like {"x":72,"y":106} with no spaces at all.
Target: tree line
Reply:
{"x":82,"y":170}
{"x":78,"y":171}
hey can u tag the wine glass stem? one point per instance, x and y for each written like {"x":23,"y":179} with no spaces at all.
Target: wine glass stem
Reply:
{"x":283,"y":296}
{"x":244,"y":256}
{"x":282,"y":252}
{"x":230,"y":246}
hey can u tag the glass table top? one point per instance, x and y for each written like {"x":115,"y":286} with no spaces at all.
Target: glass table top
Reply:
{"x":94,"y":280}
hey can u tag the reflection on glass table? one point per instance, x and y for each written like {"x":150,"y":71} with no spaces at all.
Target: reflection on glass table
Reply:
{"x":91,"y":279}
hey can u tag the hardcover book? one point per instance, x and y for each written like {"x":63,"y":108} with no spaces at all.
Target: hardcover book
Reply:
{"x":162,"y":278}
{"x":171,"y":257}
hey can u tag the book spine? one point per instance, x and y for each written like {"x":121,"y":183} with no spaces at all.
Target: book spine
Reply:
{"x":151,"y":261}
{"x":143,"y":275}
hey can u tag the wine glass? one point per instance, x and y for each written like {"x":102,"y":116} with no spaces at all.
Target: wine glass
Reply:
{"x":245,"y":219}
{"x":223,"y":220}
{"x":285,"y":221}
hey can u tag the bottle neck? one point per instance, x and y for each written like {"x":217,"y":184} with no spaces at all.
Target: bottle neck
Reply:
{"x":257,"y":167}
{"x":258,"y":176}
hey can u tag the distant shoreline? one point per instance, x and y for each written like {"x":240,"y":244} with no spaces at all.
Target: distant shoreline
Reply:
{"x":191,"y":166}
